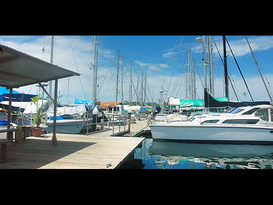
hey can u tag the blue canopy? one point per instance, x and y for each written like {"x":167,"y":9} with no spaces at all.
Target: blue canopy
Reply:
{"x":4,"y":90}
{"x":16,"y":96}
{"x":80,"y":101}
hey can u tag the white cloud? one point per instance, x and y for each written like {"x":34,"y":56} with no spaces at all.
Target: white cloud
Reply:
{"x":169,"y":54}
{"x":163,"y":66}
{"x":240,"y":46}
{"x":153,"y":67}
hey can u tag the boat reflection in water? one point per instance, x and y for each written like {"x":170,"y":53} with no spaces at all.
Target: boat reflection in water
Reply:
{"x":177,"y":155}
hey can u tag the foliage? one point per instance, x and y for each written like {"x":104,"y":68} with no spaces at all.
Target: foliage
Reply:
{"x":39,"y":111}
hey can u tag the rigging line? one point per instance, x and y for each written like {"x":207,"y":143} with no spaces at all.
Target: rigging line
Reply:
{"x":175,"y":63}
{"x":77,"y":66}
{"x":103,"y":81}
{"x":179,"y":78}
{"x":239,"y":70}
{"x":259,"y":69}
{"x":170,"y":60}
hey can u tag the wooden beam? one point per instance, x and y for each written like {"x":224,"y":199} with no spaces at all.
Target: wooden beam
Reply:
{"x":54,"y":138}
{"x":41,"y":85}
{"x":9,"y":134}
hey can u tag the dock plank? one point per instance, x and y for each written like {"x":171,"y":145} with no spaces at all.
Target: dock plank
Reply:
{"x":72,"y":152}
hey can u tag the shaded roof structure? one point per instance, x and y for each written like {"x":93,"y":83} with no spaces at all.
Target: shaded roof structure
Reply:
{"x":19,"y":69}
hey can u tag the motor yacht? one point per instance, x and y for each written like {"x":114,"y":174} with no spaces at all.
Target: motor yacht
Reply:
{"x":250,"y":124}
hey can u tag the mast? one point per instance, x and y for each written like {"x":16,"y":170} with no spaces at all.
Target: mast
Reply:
{"x":51,"y":61}
{"x":205,"y":62}
{"x":130,"y":85}
{"x":211,"y":79}
{"x":188,"y":80}
{"x":145,"y":86}
{"x":94,"y":94}
{"x":117,"y":78}
{"x":121,"y":78}
{"x":225,"y":67}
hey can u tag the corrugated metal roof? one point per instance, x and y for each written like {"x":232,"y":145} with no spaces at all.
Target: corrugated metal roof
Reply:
{"x":19,"y":69}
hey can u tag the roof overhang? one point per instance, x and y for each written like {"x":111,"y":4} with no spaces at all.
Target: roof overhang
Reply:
{"x":19,"y":69}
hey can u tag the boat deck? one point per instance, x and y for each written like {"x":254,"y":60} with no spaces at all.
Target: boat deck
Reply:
{"x":95,"y":151}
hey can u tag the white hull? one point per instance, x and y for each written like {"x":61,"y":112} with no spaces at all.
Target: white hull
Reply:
{"x":66,"y":126}
{"x":215,"y":133}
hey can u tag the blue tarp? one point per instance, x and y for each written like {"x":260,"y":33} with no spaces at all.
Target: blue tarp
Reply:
{"x":16,"y":96}
{"x":80,"y":101}
{"x":3,"y":123}
{"x":5,"y":90}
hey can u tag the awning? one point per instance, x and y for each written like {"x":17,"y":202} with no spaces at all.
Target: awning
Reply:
{"x":105,"y":105}
{"x":19,"y":69}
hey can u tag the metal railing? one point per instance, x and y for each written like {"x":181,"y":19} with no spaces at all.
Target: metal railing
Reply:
{"x":106,"y":122}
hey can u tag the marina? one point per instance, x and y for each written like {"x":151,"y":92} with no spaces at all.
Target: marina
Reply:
{"x":193,"y":122}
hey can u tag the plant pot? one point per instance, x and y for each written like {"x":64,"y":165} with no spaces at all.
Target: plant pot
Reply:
{"x":37,"y":131}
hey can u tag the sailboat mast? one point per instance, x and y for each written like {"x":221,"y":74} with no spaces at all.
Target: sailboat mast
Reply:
{"x":117,"y":78}
{"x":94,"y":94}
{"x":225,"y":67}
{"x":51,"y":61}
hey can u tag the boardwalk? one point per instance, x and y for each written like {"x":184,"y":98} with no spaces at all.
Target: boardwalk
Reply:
{"x":72,"y":152}
{"x":137,"y":128}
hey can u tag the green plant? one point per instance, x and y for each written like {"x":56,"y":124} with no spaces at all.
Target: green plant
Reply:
{"x":39,"y":111}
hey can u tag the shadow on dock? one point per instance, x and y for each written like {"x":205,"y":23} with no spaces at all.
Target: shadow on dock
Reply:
{"x":35,"y":153}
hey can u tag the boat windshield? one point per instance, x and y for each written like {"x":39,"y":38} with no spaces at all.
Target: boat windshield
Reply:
{"x":235,"y":110}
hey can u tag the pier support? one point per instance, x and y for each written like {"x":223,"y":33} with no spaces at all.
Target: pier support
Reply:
{"x":54,"y":138}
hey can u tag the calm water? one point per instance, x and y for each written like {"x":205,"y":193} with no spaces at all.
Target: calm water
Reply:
{"x":176,"y":155}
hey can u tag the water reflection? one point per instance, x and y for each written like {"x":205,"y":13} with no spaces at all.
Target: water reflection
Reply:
{"x":175,"y":155}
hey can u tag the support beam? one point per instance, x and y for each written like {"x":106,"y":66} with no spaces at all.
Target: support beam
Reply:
{"x":54,"y":138}
{"x":41,"y":85}
{"x":9,"y":134}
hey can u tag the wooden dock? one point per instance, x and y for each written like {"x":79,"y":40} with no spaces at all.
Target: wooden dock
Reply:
{"x":138,"y":128}
{"x":96,"y":151}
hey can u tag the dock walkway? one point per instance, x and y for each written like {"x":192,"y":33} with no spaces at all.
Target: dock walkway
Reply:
{"x":138,"y":128}
{"x":95,"y":151}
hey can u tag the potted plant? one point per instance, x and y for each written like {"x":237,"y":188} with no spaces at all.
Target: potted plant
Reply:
{"x":37,"y":131}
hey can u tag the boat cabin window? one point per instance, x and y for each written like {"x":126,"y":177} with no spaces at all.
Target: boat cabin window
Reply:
{"x":235,"y":110}
{"x":210,"y":122}
{"x":271,"y":112}
{"x":263,"y":114}
{"x":241,"y":121}
{"x":250,"y":111}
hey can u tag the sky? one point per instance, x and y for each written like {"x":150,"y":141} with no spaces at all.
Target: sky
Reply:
{"x":164,"y":59}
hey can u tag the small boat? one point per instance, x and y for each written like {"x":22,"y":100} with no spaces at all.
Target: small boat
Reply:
{"x":67,"y":126}
{"x":247,"y":125}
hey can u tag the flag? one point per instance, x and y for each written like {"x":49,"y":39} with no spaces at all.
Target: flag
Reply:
{"x":43,"y":49}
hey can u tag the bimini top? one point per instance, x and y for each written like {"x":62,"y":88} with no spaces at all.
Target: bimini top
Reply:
{"x":19,"y":69}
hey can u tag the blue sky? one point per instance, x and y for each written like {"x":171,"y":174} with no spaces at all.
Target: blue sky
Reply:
{"x":156,"y":55}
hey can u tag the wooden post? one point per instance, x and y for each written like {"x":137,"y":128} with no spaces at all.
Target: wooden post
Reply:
{"x":9,"y":134}
{"x":129,"y":122}
{"x":54,"y":138}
